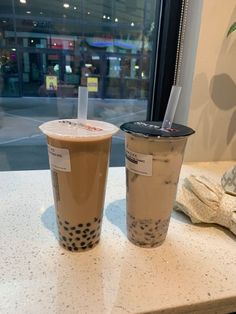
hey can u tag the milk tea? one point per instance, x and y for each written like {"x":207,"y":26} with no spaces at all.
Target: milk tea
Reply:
{"x":153,"y":163}
{"x":79,"y":159}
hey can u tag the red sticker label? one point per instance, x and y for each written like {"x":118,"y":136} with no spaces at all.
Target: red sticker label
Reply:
{"x":81,"y":125}
{"x":89,"y":127}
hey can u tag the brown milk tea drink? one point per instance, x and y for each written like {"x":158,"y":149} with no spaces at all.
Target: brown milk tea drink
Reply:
{"x":153,"y":161}
{"x":79,"y":158}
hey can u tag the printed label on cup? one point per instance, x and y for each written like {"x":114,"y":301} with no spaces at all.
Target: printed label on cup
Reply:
{"x":138,"y":163}
{"x":59,"y":158}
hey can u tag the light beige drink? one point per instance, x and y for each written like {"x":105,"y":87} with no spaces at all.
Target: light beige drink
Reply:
{"x":79,"y":164}
{"x":153,"y":165}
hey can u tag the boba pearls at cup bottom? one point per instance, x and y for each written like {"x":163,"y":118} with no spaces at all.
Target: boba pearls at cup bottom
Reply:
{"x":80,"y":237}
{"x":147,"y":232}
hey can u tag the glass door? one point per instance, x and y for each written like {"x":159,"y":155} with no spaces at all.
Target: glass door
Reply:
{"x":41,"y":73}
{"x":32,"y":73}
{"x":9,"y":77}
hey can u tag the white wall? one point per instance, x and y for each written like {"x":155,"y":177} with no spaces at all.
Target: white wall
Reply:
{"x":212,"y":110}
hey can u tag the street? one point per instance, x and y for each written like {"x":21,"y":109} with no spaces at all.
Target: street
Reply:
{"x":23,"y":146}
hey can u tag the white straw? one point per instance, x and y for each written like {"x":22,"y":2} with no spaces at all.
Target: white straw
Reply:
{"x":171,"y":107}
{"x":82,"y":103}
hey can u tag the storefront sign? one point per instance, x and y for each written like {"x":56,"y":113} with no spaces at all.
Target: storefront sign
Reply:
{"x":92,"y":83}
{"x":51,"y":82}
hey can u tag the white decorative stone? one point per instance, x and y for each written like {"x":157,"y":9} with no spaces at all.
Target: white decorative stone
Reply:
{"x":228,"y":181}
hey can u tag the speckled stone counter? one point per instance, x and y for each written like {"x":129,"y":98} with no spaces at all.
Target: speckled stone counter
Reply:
{"x":194,"y":271}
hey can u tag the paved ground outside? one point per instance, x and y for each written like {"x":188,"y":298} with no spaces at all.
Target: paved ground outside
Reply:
{"x":23,"y":147}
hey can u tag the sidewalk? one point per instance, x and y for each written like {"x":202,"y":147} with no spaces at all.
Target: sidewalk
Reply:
{"x":22,"y":146}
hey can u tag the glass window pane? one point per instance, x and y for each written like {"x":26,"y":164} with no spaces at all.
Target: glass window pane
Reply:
{"x":49,"y":48}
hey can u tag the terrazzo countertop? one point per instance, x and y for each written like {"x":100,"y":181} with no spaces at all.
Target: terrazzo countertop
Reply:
{"x":194,"y":271}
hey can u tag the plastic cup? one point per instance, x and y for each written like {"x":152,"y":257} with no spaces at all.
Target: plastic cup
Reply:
{"x":79,"y":160}
{"x":153,"y":161}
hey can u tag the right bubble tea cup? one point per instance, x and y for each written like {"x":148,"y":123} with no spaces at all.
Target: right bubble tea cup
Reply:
{"x":154,"y":158}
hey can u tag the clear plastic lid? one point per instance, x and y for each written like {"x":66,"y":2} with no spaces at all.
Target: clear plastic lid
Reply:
{"x":73,"y":129}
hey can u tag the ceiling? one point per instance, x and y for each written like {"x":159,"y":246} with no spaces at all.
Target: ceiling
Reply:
{"x":112,"y":11}
{"x":78,"y":16}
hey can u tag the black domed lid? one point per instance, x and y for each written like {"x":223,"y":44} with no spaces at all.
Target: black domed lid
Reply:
{"x":152,"y":128}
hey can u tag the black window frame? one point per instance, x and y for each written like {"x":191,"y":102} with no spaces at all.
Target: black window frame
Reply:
{"x":168,"y":26}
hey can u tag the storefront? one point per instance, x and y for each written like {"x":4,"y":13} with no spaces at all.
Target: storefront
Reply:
{"x":72,"y":50}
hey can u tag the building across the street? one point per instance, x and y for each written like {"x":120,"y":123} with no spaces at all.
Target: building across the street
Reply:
{"x":48,"y":48}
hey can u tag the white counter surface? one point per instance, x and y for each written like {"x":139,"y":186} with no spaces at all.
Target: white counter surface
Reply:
{"x":194,"y":271}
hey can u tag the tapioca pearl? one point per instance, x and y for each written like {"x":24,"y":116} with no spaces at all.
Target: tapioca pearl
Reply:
{"x":92,"y":232}
{"x":72,"y":228}
{"x":99,"y":220}
{"x":73,"y":244}
{"x":69,"y":248}
{"x":60,"y":223}
{"x":82,"y":243}
{"x":64,"y":238}
{"x":88,"y":238}
{"x":141,"y":243}
{"x":84,"y":236}
{"x":63,"y":244}
{"x":95,"y":219}
{"x":88,"y":224}
{"x":97,"y":242}
{"x":65,"y":228}
{"x":70,"y":239}
{"x":90,"y":246}
{"x":80,"y":225}
{"x":71,"y":234}
{"x":66,"y":222}
{"x":86,"y":230}
{"x":84,"y":247}
{"x":76,"y":249}
{"x":94,"y":236}
{"x":77,"y":231}
{"x":77,"y":239}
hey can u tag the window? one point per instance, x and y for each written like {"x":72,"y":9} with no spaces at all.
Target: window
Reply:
{"x":126,"y":49}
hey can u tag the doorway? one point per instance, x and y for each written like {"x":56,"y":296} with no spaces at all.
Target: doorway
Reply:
{"x":36,"y":67}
